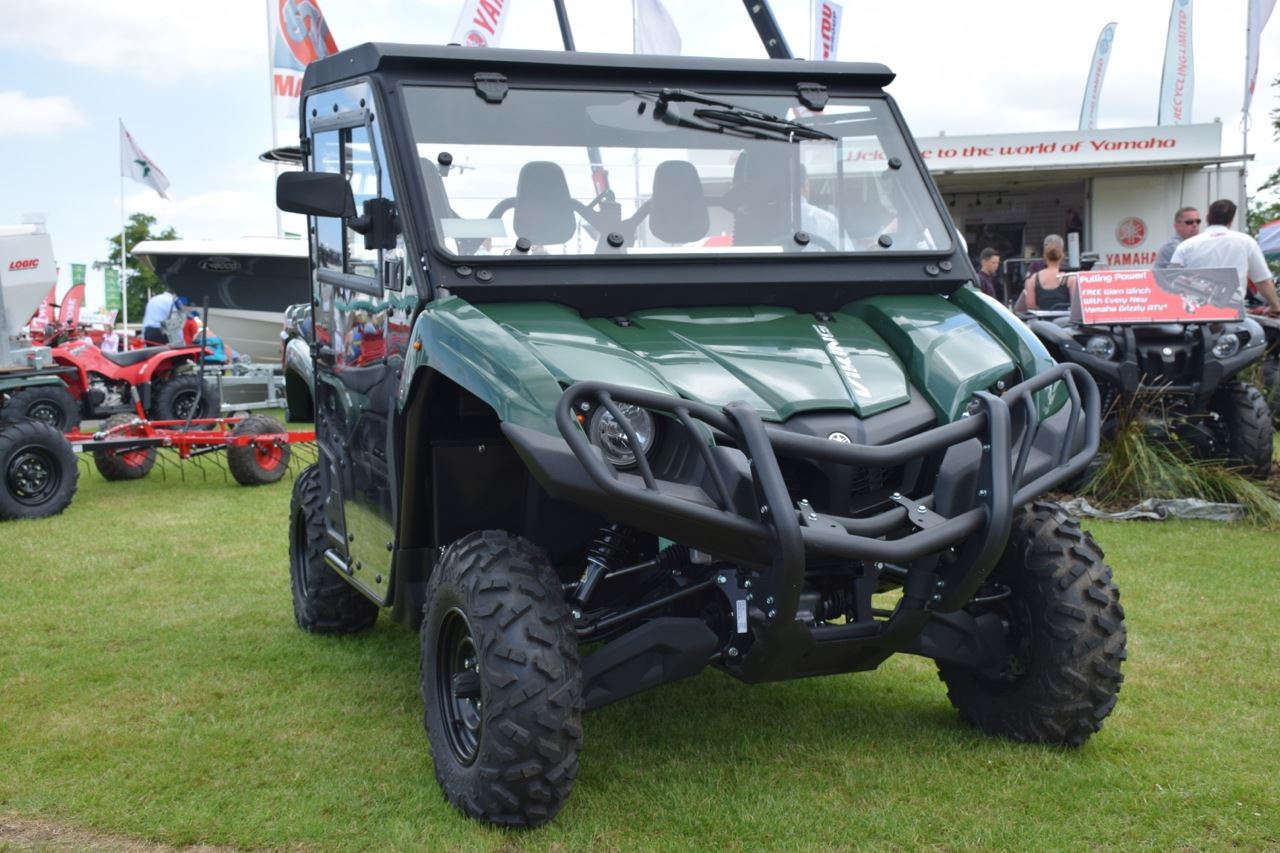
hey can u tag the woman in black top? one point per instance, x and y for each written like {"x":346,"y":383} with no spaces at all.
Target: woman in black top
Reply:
{"x":1046,"y":290}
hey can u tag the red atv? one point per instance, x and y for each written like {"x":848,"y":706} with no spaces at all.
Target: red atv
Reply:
{"x":85,"y":383}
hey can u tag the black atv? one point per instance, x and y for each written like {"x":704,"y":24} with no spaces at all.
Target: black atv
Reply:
{"x":1186,"y":380}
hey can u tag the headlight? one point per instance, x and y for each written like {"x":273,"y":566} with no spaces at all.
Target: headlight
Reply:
{"x":1101,"y":346}
{"x":608,"y":435}
{"x":1227,"y":346}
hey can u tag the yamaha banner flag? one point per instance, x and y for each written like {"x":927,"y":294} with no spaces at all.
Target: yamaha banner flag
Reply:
{"x":1259,"y":12}
{"x":299,"y":36}
{"x":481,"y":23}
{"x":1178,"y":82}
{"x":826,"y":29}
{"x":1097,"y":71}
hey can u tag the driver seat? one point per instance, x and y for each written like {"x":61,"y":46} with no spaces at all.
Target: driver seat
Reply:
{"x":544,"y":210}
{"x":133,"y":356}
{"x":762,"y":198}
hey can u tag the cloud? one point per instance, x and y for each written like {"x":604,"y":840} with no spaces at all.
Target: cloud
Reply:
{"x":22,"y":115}
{"x":151,"y":39}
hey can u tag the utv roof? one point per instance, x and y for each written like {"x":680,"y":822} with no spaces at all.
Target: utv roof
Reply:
{"x":654,"y":70}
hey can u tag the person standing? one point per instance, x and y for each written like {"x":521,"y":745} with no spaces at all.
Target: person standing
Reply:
{"x":1045,"y":290}
{"x":158,"y":309}
{"x":1186,"y":223}
{"x":988,"y":267}
{"x":1219,"y":246}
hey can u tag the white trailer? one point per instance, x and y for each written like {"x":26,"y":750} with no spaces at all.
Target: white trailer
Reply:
{"x":27,"y":273}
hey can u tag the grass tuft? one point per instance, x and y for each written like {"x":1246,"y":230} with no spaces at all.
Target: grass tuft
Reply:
{"x":1136,"y":466}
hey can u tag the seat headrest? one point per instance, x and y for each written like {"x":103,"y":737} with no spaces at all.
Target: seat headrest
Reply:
{"x":544,"y":208}
{"x":678,"y":207}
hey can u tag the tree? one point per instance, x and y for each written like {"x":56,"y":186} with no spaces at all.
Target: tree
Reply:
{"x":140,"y":277}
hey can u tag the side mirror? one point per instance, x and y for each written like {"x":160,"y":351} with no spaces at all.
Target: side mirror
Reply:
{"x":315,"y":194}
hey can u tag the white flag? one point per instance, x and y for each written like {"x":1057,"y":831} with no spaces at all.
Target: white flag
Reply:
{"x":134,"y":164}
{"x":655,"y":31}
{"x":481,"y":23}
{"x":299,"y":36}
{"x":1097,"y":71}
{"x":1178,"y":82}
{"x":826,"y":29}
{"x":1259,"y":12}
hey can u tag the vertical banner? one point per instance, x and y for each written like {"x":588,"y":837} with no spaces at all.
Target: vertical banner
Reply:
{"x":73,"y":301}
{"x":655,"y":31}
{"x":111,"y":288}
{"x":1097,"y":71}
{"x":299,"y":36}
{"x":1178,"y":82}
{"x":481,"y":23}
{"x":1259,"y":12}
{"x":826,"y":29}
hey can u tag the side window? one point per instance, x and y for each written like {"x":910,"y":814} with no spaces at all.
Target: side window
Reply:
{"x":363,"y":176}
{"x":329,"y":255}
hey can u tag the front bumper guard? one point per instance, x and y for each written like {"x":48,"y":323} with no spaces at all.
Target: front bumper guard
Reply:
{"x":1006,"y":426}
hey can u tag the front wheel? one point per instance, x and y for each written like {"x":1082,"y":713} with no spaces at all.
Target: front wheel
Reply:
{"x":501,"y":681}
{"x":1249,"y":429}
{"x":1064,"y":632}
{"x":38,"y":470}
{"x":181,"y":397}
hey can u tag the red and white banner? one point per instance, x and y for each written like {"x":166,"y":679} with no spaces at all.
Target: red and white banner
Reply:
{"x":72,"y":302}
{"x":299,"y":36}
{"x":1158,"y":296}
{"x":1259,"y":12}
{"x":481,"y":23}
{"x":1097,"y":72}
{"x":1178,"y":82}
{"x":826,"y":29}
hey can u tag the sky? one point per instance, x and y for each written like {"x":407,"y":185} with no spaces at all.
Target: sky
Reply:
{"x":190,"y":81}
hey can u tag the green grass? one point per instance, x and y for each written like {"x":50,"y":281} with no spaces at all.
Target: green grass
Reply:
{"x":153,"y":685}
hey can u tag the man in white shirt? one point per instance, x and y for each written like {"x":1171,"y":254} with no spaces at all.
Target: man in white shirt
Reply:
{"x":158,"y":309}
{"x":1219,"y":246}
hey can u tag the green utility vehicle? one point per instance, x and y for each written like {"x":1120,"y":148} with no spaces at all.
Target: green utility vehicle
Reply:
{"x":626,"y":367}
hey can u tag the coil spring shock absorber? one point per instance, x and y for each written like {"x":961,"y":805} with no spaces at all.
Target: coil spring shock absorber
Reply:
{"x":614,"y":544}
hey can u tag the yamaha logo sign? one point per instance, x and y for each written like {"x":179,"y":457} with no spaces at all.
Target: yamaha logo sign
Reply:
{"x":839,"y":438}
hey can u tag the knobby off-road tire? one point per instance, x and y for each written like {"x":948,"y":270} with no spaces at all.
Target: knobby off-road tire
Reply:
{"x":175,"y":397}
{"x":258,"y":465}
{"x":323,"y":603}
{"x":1249,"y":429}
{"x":52,"y":404}
{"x":38,"y":471}
{"x":501,"y":681}
{"x":123,"y":464}
{"x":1065,"y":633}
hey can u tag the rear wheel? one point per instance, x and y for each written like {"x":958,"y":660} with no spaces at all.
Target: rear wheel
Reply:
{"x":323,"y":603}
{"x":501,"y":681}
{"x":52,"y":404}
{"x":124,"y":464}
{"x":258,"y":463}
{"x":1065,"y":636}
{"x":1247,"y":419}
{"x":38,"y":471}
{"x":181,"y":397}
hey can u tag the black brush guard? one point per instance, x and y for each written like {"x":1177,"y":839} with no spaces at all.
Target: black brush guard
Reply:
{"x":1006,"y":426}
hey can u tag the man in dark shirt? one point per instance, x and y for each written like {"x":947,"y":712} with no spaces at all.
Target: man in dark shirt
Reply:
{"x":1186,"y":223}
{"x":988,"y":266}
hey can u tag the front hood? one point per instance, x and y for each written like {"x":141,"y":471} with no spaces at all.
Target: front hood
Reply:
{"x":779,"y":362}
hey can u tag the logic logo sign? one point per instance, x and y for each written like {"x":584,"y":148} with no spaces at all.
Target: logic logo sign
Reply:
{"x":1131,"y":231}
{"x":304,"y":31}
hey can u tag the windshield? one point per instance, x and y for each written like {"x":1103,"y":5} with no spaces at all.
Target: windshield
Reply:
{"x":667,"y":172}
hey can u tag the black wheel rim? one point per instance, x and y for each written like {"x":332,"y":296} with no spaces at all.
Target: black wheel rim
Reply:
{"x":1019,"y":642}
{"x":33,"y":476}
{"x":458,"y":687}
{"x":184,"y":404}
{"x":48,"y":412}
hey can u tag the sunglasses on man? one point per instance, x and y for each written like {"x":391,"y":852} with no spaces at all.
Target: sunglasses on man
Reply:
{"x":1191,"y":222}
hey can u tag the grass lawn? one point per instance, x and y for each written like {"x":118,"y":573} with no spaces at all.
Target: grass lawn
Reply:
{"x":153,"y":685}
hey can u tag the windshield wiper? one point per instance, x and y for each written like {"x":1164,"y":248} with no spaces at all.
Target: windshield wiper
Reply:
{"x":721,"y":116}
